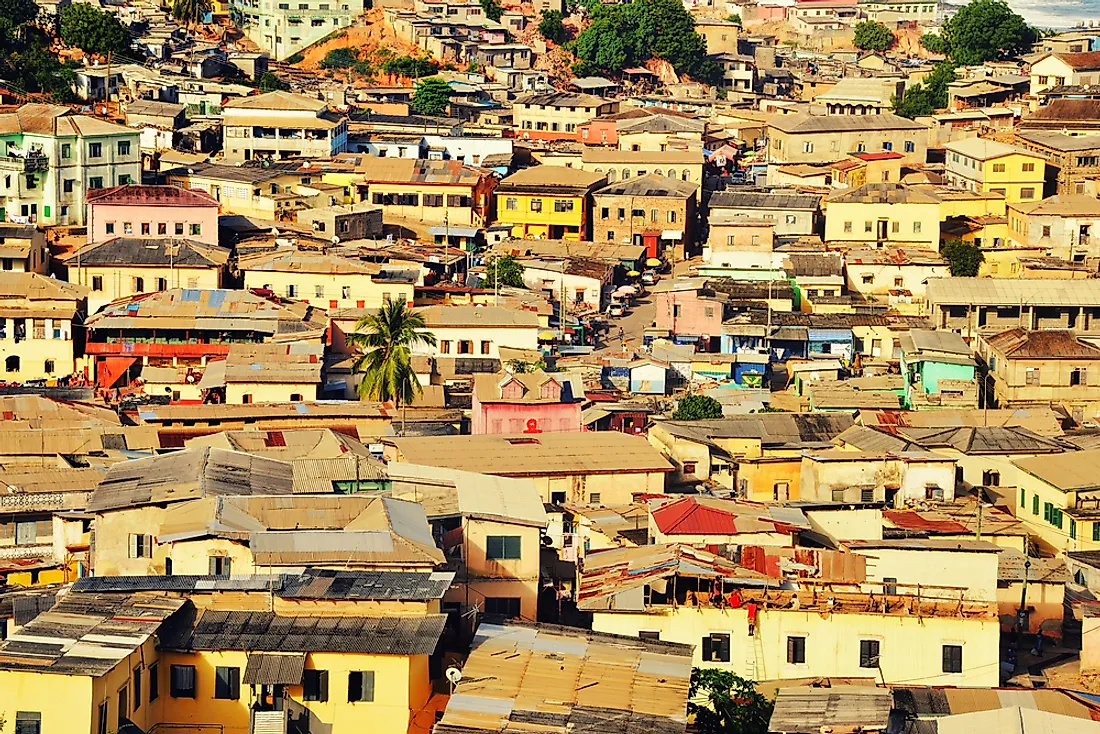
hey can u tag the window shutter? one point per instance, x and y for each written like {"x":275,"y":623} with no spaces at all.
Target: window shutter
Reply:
{"x":322,"y":685}
{"x":213,"y":566}
{"x":368,"y":685}
{"x":790,"y":650}
{"x":149,"y":546}
{"x":512,"y":549}
{"x":235,"y":683}
{"x":724,"y":648}
{"x":355,"y":686}
{"x":133,"y":545}
{"x":706,"y":648}
{"x":227,"y":566}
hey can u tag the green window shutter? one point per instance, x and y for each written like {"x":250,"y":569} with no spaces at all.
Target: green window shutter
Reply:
{"x":46,"y":211}
{"x":1035,"y":504}
{"x":512,"y":546}
{"x":1072,"y":529}
{"x":1023,"y":498}
{"x":1047,"y":507}
{"x":1096,"y":531}
{"x":494,"y":547}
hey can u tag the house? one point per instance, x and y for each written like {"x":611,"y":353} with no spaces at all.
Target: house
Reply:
{"x":858,"y":96}
{"x":622,"y":667}
{"x":708,"y":521}
{"x":738,"y":71}
{"x":939,"y":370}
{"x":1046,"y":587}
{"x":39,"y":326}
{"x":804,"y":138}
{"x":151,"y":212}
{"x":23,"y":249}
{"x":972,"y":306}
{"x":657,"y":210}
{"x":1076,"y":158}
{"x":683,"y":165}
{"x":280,"y":125}
{"x":1062,"y":226}
{"x":584,"y":282}
{"x":433,"y":192}
{"x":531,"y":402}
{"x":491,"y":527}
{"x":478,"y":332}
{"x":580,"y":468}
{"x":192,"y":326}
{"x":1070,"y":116}
{"x":264,"y":373}
{"x":557,"y":115}
{"x":690,"y":310}
{"x":874,"y":477}
{"x":670,"y":592}
{"x":127,"y":266}
{"x":177,"y":423}
{"x":898,"y":277}
{"x":1044,"y":367}
{"x":731,"y":236}
{"x":971,"y":564}
{"x":720,"y":35}
{"x":979,"y":164}
{"x":55,"y":157}
{"x":794,"y":215}
{"x":881,"y":214}
{"x":1058,"y":500}
{"x":325,"y":280}
{"x":359,"y":221}
{"x":649,"y":127}
{"x":548,"y":201}
{"x":250,"y":191}
{"x":1061,"y":69}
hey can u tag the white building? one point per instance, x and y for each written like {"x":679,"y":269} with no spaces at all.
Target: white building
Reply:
{"x":282,"y":125}
{"x":286,"y":28}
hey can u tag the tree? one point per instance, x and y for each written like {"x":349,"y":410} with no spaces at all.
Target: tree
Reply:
{"x":986,"y":30}
{"x":934,"y":42}
{"x":552,"y":26}
{"x":733,"y":705}
{"x":270,"y":83}
{"x":696,"y":408}
{"x":431,"y":97}
{"x":410,"y":66}
{"x":386,"y":340}
{"x":191,"y":12}
{"x":963,"y":258}
{"x":504,"y":270}
{"x":92,"y":30}
{"x":493,"y":9}
{"x":928,"y":96}
{"x":733,"y":18}
{"x":339,"y":58}
{"x":872,"y":36}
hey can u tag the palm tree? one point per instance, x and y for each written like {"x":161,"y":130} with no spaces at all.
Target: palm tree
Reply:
{"x":386,"y":339}
{"x":190,"y":12}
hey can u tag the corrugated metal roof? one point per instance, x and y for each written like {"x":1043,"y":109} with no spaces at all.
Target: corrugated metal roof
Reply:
{"x":271,"y":668}
{"x":450,"y":492}
{"x":806,"y":710}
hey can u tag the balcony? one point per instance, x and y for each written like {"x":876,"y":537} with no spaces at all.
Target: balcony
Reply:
{"x":29,"y":162}
{"x":156,"y":349}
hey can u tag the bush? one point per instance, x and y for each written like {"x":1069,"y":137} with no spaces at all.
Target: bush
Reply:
{"x":551,"y":26}
{"x":411,"y":66}
{"x":295,"y":58}
{"x":963,"y":258}
{"x":697,"y":407}
{"x":339,"y":58}
{"x":872,"y":36}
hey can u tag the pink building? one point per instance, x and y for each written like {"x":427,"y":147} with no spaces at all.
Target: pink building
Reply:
{"x":155,"y":212}
{"x":685,"y":308}
{"x":534,"y":402}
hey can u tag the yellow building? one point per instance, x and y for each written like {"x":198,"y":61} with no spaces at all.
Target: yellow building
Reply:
{"x":883,"y":214}
{"x":266,"y":193}
{"x":1057,"y":496}
{"x":552,"y":202}
{"x":809,"y":632}
{"x":36,"y":326}
{"x":556,"y":115}
{"x":979,"y":164}
{"x":326,"y":281}
{"x":265,"y":373}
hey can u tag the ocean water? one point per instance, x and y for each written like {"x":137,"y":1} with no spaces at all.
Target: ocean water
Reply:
{"x":1057,"y":14}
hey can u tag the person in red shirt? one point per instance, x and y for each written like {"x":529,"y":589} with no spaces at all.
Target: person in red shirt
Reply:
{"x":751,"y":609}
{"x":735,"y":599}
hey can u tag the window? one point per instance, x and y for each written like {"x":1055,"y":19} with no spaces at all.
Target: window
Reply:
{"x":182,"y":684}
{"x":247,"y":398}
{"x":315,"y":685}
{"x":1046,"y":230}
{"x":716,"y":648}
{"x":807,"y":147}
{"x":1078,"y":376}
{"x":179,"y":228}
{"x":505,"y":606}
{"x":952,"y":658}
{"x":511,"y":204}
{"x":502,"y":547}
{"x":485,"y":346}
{"x":1029,"y":168}
{"x":895,"y":227}
{"x":361,"y":686}
{"x":796,"y":650}
{"x":227,"y":683}
{"x":11,"y":364}
{"x":292,"y":291}
{"x":137,"y":687}
{"x":101,"y":727}
{"x":594,"y":498}
{"x":1096,"y":532}
{"x":689,"y":467}
{"x":162,"y":228}
{"x":124,"y":147}
{"x":1044,"y":80}
{"x":97,"y":282}
{"x":910,"y":146}
{"x":536,"y":205}
{"x":868,"y":653}
{"x":868,"y":279}
{"x":656,"y":636}
{"x":998,"y":168}
{"x":66,"y":150}
{"x":220,"y":566}
{"x":1027,"y":192}
{"x":1035,"y":505}
{"x":445,"y":346}
{"x":465,"y":346}
{"x":1048,"y":511}
{"x":50,"y":366}
{"x":28,"y":722}
{"x":139,"y":285}
{"x":1072,"y":529}
{"x":563,"y":205}
{"x":141,"y":546}
{"x":916,"y":227}
{"x":887,"y":145}
{"x":868,"y":226}
{"x":95,"y":150}
{"x":847,"y":227}
{"x":1031,"y":376}
{"x":866,"y":495}
{"x":196,"y":229}
{"x":127,"y":227}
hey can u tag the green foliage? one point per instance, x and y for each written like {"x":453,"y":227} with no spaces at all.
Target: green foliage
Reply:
{"x":552,"y":27}
{"x":190,"y":12}
{"x":619,"y":36}
{"x":92,"y":30}
{"x":986,"y":30}
{"x":270,"y":83}
{"x":385,"y":340}
{"x":963,"y":258}
{"x":872,"y":36}
{"x":339,"y":58}
{"x":507,"y":269}
{"x":520,"y":367}
{"x":410,"y":66}
{"x":431,"y":97}
{"x":584,"y":68}
{"x":473,"y":68}
{"x":493,"y":9}
{"x":733,"y":18}
{"x":934,"y":42}
{"x":295,"y":58}
{"x":363,"y":68}
{"x":928,"y":96}
{"x":697,"y":408}
{"x":733,"y":705}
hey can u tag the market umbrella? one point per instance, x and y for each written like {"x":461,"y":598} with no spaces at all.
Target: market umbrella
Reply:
{"x":627,"y":289}
{"x":633,"y":274}
{"x":547,"y":336}
{"x":653,"y":263}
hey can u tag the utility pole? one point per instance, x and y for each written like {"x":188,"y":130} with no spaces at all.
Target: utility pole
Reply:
{"x":1021,"y":615}
{"x":980,"y":507}
{"x":107,"y":89}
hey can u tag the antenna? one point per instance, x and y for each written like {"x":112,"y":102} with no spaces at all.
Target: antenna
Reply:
{"x":454,"y":675}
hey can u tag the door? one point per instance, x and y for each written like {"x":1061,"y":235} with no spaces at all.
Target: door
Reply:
{"x":883,"y":226}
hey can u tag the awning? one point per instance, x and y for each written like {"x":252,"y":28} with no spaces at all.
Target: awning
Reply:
{"x":672,"y":234}
{"x":213,"y":375}
{"x":270,"y":668}
{"x":453,"y":231}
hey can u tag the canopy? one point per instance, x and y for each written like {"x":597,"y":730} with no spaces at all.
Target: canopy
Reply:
{"x":270,"y":668}
{"x":653,"y":263}
{"x":547,"y":336}
{"x":626,"y":289}
{"x":633,"y":273}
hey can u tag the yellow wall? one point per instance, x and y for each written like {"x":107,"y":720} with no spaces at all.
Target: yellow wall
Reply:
{"x":1050,"y":537}
{"x":269,"y":392}
{"x":33,"y":353}
{"x":361,"y":288}
{"x":909,"y":217}
{"x":118,"y":281}
{"x":526,"y":223}
{"x":762,"y":476}
{"x":501,"y":578}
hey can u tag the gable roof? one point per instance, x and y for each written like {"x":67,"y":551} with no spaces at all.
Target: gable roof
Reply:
{"x":1081,"y":61}
{"x":807,"y":123}
{"x":1071,"y":471}
{"x":162,"y":251}
{"x":1023,"y":344}
{"x":278,"y":100}
{"x":454,"y":493}
{"x":489,"y":387}
{"x":650,"y":184}
{"x":883,"y":193}
{"x":713,"y":516}
{"x":983,"y":149}
{"x":158,"y":195}
{"x":48,"y":119}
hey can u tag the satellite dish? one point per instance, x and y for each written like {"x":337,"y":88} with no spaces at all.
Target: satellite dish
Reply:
{"x":454,"y":675}
{"x":335,"y":240}
{"x":274,"y":231}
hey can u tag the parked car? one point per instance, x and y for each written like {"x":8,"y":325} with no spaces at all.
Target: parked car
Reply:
{"x":615,"y":308}
{"x":650,"y":277}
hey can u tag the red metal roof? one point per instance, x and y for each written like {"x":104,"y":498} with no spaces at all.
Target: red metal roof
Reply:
{"x":142,"y":194}
{"x":885,"y":155}
{"x":688,"y":517}
{"x":910,"y":520}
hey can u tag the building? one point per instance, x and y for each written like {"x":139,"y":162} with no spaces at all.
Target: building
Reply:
{"x":912,"y":563}
{"x":359,"y":221}
{"x":281,"y":125}
{"x":1062,"y":69}
{"x":478,"y":332}
{"x":149,"y":212}
{"x":55,"y":158}
{"x":822,"y":634}
{"x":804,"y":138}
{"x":39,"y":326}
{"x":972,"y":306}
{"x":264,"y":373}
{"x":979,"y":164}
{"x":324,"y":280}
{"x":127,"y":266}
{"x":607,"y":469}
{"x":794,"y":215}
{"x":1044,"y":367}
{"x":189,"y":327}
{"x":1058,"y":498}
{"x":896,"y":277}
{"x":583,"y":282}
{"x":1070,"y":116}
{"x":939,"y":370}
{"x":860,"y":96}
{"x":883,"y":214}
{"x":282,"y":32}
{"x":705,"y":522}
{"x":491,"y":528}
{"x":23,"y":249}
{"x":806,"y":710}
{"x":684,"y":165}
{"x":877,"y":476}
{"x":268,"y":193}
{"x":653,"y":210}
{"x":414,"y":193}
{"x":551,"y":202}
{"x":1076,"y":158}
{"x":557,"y":115}
{"x":530,"y":402}
{"x":1061,"y":226}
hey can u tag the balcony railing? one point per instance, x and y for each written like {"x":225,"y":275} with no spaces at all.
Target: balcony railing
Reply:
{"x":156,"y":349}
{"x":268,"y":722}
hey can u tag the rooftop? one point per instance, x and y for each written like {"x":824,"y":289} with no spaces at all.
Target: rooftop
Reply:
{"x":56,"y":120}
{"x":984,"y":149}
{"x":882,"y":193}
{"x":1061,"y":205}
{"x":711,"y":516}
{"x":490,"y":388}
{"x":1083,"y":61}
{"x":292,"y":260}
{"x":139,"y":194}
{"x":805,"y":123}
{"x":806,"y":710}
{"x":1060,"y":141}
{"x":454,"y":493}
{"x":278,"y":100}
{"x":763,"y":200}
{"x":550,"y":177}
{"x":650,"y":184}
{"x":138,"y":251}
{"x":1053,"y":344}
{"x":1069,"y":472}
{"x":1006,"y":292}
{"x":562,"y":99}
{"x":477,"y":316}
